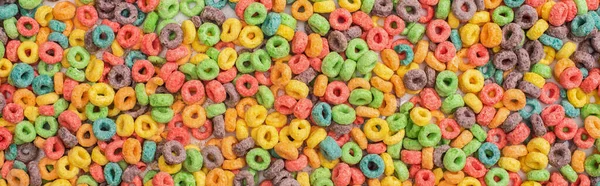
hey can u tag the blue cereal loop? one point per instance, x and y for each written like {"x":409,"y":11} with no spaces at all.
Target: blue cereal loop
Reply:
{"x":488,"y":154}
{"x":21,"y":75}
{"x":403,"y":48}
{"x":271,"y":24}
{"x":104,"y":129}
{"x":372,"y":166}
{"x":330,"y":149}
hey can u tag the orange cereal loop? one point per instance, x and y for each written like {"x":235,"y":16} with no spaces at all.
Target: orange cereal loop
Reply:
{"x":355,"y":83}
{"x":305,"y":6}
{"x":381,"y":84}
{"x":514,"y":99}
{"x":64,"y":10}
{"x":320,"y":85}
{"x":399,"y":88}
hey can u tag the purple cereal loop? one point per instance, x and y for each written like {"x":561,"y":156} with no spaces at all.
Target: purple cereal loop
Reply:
{"x":535,"y":49}
{"x":505,"y":60}
{"x":530,"y":89}
{"x":3,"y":36}
{"x":68,"y":139}
{"x":525,"y":16}
{"x":213,"y":15}
{"x":511,"y":122}
{"x":129,"y":19}
{"x":289,"y":182}
{"x":275,"y":168}
{"x":415,"y":79}
{"x":196,"y":20}
{"x":338,"y":42}
{"x":559,"y":32}
{"x":119,"y":76}
{"x":212,"y":157}
{"x":537,"y":125}
{"x":26,"y":152}
{"x":583,"y":59}
{"x":307,"y":76}
{"x":382,"y":8}
{"x":89,"y":42}
{"x":595,"y":41}
{"x":559,"y":155}
{"x":465,"y":117}
{"x":218,"y":126}
{"x":339,"y":129}
{"x":523,"y":60}
{"x":463,"y":9}
{"x":512,"y":36}
{"x":431,"y":75}
{"x":130,"y":173}
{"x":35,"y":178}
{"x":281,"y":175}
{"x":353,"y":32}
{"x":403,"y":7}
{"x":173,"y":152}
{"x":511,"y":80}
{"x":165,"y":36}
{"x":241,"y":148}
{"x":137,"y":111}
{"x":438,"y":155}
{"x":242,"y":177}
{"x":233,"y":97}
{"x":586,"y":46}
{"x":480,"y":5}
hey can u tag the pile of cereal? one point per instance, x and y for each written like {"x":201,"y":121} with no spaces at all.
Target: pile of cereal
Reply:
{"x":299,"y":92}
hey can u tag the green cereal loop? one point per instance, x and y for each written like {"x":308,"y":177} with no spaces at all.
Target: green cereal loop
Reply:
{"x":430,"y":135}
{"x":265,"y":97}
{"x":194,"y":10}
{"x":455,"y":160}
{"x":538,"y":175}
{"x":161,"y":100}
{"x":319,"y":173}
{"x":582,"y":7}
{"x":478,"y":132}
{"x":19,"y":165}
{"x":149,"y":175}
{"x":446,"y":141}
{"x":394,"y":150}
{"x":412,"y":130}
{"x":215,"y":110}
{"x":471,"y":147}
{"x":367,"y":5}
{"x":411,"y":144}
{"x":209,"y":34}
{"x":590,"y":110}
{"x":150,"y":22}
{"x":323,"y":182}
{"x":543,"y":70}
{"x":10,"y":27}
{"x":354,"y":45}
{"x":348,"y":69}
{"x":47,"y":69}
{"x":213,"y":53}
{"x":493,"y":173}
{"x":46,"y":126}
{"x":570,"y":174}
{"x":451,"y":103}
{"x":78,"y":57}
{"x":87,"y":2}
{"x":193,"y":160}
{"x":360,"y":97}
{"x":503,"y":15}
{"x":258,"y":159}
{"x":184,"y":178}
{"x":207,"y":69}
{"x":167,"y":9}
{"x":288,"y":20}
{"x":156,"y":60}
{"x":87,"y":180}
{"x":164,"y":23}
{"x":260,"y":60}
{"x":188,"y":70}
{"x":397,"y":121}
{"x":406,"y":107}
{"x":140,"y":94}
{"x":243,"y":63}
{"x":377,"y":98}
{"x":443,"y":9}
{"x":60,"y":106}
{"x":415,"y":33}
{"x":343,"y":114}
{"x":29,"y":4}
{"x":366,"y":62}
{"x":351,"y":153}
{"x":162,"y":114}
{"x":24,"y":132}
{"x":93,"y":115}
{"x":400,"y":170}
{"x":23,"y":38}
{"x":319,"y":24}
{"x":277,"y":47}
{"x":255,"y":14}
{"x":332,"y":64}
{"x":2,"y":50}
{"x":591,"y":165}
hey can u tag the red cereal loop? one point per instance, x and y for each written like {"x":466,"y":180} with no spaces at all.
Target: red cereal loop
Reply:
{"x":69,"y":120}
{"x":357,"y":178}
{"x":474,"y":168}
{"x":151,"y":45}
{"x":590,"y":83}
{"x":430,"y":99}
{"x":27,"y":26}
{"x":13,"y":113}
{"x":565,"y":129}
{"x":393,"y":25}
{"x":558,"y":13}
{"x":430,"y":12}
{"x":220,"y":45}
{"x":550,"y":93}
{"x":515,"y":179}
{"x":445,"y":51}
{"x":557,"y":179}
{"x":50,"y":53}
{"x":179,"y":134}
{"x":54,"y":148}
{"x":175,"y":81}
{"x":246,"y":85}
{"x":399,"y":42}
{"x":340,"y":174}
{"x":147,"y":5}
{"x":96,"y":172}
{"x":298,"y":63}
{"x":303,"y":108}
{"x":204,"y":131}
{"x":377,"y":39}
{"x":362,"y":19}
{"x":550,"y":137}
{"x":128,"y":36}
{"x":325,"y":50}
{"x":163,"y":178}
{"x":376,"y":148}
{"x":518,"y":135}
{"x":582,"y":139}
{"x":142,"y":71}
{"x":215,"y":91}
{"x":8,"y":91}
{"x":87,"y":15}
{"x":177,"y":53}
{"x":337,"y":92}
{"x":340,"y":19}
{"x":497,"y":137}
{"x":11,"y":50}
{"x":5,"y":138}
{"x":428,"y":2}
{"x":582,"y":180}
{"x":299,"y":42}
{"x":176,"y":122}
{"x":113,"y":151}
{"x":113,"y":25}
{"x":478,"y":55}
{"x":315,"y":63}
{"x":450,"y":128}
{"x":572,"y":9}
{"x":491,"y":94}
{"x":112,"y":59}
{"x":8,"y":165}
{"x":412,"y":171}
{"x":241,"y":6}
{"x":339,"y":139}
{"x":553,"y":114}
{"x":296,"y":165}
{"x":266,"y":183}
{"x":227,"y":75}
{"x":570,"y":78}
{"x":167,"y":69}
{"x":592,"y":4}
{"x":411,"y":157}
{"x":535,"y":3}
{"x":263,"y":78}
{"x":46,"y":110}
{"x":284,"y":104}
{"x":424,"y":177}
{"x":68,"y":87}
